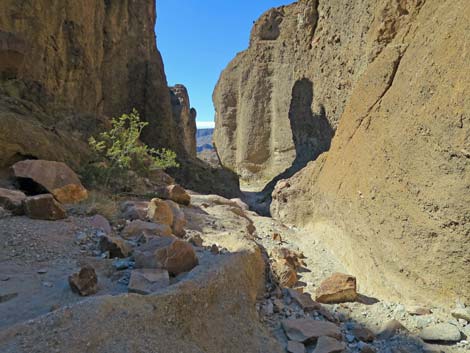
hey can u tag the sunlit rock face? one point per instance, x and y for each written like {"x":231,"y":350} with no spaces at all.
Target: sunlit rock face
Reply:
{"x":390,"y":195}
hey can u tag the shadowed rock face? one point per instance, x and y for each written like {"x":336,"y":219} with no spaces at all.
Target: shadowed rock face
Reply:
{"x":185,"y":118}
{"x":390,"y":196}
{"x":65,"y":63}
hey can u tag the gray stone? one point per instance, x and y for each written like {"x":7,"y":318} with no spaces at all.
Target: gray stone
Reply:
{"x":147,"y":281}
{"x":329,"y":345}
{"x":308,"y":330}
{"x":441,"y":332}
{"x":461,"y":313}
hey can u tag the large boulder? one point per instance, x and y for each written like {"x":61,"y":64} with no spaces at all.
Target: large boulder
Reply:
{"x":175,"y":193}
{"x":44,"y":207}
{"x":175,"y":255}
{"x":12,"y":200}
{"x":179,"y":219}
{"x":55,"y":177}
{"x":84,"y":282}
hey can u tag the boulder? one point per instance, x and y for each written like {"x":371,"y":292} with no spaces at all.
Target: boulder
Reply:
{"x":175,"y":193}
{"x":12,"y":200}
{"x":117,"y":247}
{"x":309,"y":330}
{"x":55,"y":177}
{"x":133,"y":210}
{"x":84,"y":282}
{"x":175,"y":255}
{"x":461,"y":313}
{"x":441,"y":332}
{"x":44,"y":207}
{"x":138,"y":227}
{"x":329,"y":345}
{"x":147,"y":281}
{"x":160,"y":212}
{"x":4,"y":213}
{"x":100,"y":222}
{"x":295,"y":347}
{"x":179,"y":219}
{"x":339,"y":288}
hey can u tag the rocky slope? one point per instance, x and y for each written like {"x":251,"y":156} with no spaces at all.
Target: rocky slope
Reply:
{"x":391,"y":196}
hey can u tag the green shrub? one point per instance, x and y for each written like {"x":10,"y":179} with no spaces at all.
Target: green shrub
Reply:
{"x":121,"y":150}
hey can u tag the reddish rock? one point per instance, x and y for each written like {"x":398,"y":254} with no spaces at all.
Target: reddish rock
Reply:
{"x":12,"y":200}
{"x":55,"y":177}
{"x":160,"y":212}
{"x":84,"y":282}
{"x":339,"y":288}
{"x":147,"y":281}
{"x":44,"y":207}
{"x":138,"y":227}
{"x":99,"y":222}
{"x":295,"y":347}
{"x":173,"y":254}
{"x":117,"y":247}
{"x":329,"y":345}
{"x":175,"y":193}
{"x":309,"y":330}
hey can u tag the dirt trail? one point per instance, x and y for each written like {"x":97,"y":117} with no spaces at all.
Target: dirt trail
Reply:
{"x":320,"y":263}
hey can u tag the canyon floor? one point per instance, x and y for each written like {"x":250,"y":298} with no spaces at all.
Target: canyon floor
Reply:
{"x":38,"y":256}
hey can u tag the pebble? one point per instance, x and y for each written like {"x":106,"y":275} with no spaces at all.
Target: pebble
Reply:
{"x":4,"y":278}
{"x":42,"y":271}
{"x":47,"y":284}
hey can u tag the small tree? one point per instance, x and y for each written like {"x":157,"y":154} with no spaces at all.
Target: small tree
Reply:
{"x":122,"y":149}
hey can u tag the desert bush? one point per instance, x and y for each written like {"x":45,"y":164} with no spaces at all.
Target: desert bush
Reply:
{"x":121,"y":153}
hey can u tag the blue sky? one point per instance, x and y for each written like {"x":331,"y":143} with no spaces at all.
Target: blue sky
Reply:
{"x":198,"y":38}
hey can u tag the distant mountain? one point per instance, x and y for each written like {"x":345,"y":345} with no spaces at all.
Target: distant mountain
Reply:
{"x":204,"y":140}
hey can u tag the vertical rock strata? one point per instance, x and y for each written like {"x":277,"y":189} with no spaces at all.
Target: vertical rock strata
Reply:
{"x":185,"y":118}
{"x":390,"y":197}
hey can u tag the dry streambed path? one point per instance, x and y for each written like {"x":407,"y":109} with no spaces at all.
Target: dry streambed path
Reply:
{"x":366,"y":324}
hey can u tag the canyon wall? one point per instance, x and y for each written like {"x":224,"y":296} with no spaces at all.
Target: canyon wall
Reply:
{"x":391,"y":196}
{"x":65,"y":64}
{"x":185,"y":118}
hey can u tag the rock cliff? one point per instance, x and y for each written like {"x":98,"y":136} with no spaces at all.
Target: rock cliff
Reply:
{"x":65,"y":63}
{"x":391,"y":195}
{"x":185,"y":118}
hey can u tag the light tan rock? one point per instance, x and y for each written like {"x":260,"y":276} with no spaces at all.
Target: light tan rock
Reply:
{"x":441,"y":332}
{"x":12,"y":200}
{"x":329,"y":345}
{"x":138,"y":227}
{"x":55,"y":177}
{"x":418,"y":310}
{"x":172,"y":254}
{"x":84,"y":282}
{"x":309,"y":330}
{"x":44,"y":207}
{"x":461,"y":313}
{"x":160,"y":212}
{"x":338,"y":288}
{"x":147,"y":281}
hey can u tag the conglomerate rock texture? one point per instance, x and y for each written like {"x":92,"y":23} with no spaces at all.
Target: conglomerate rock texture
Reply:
{"x":391,"y":196}
{"x":66,"y":63}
